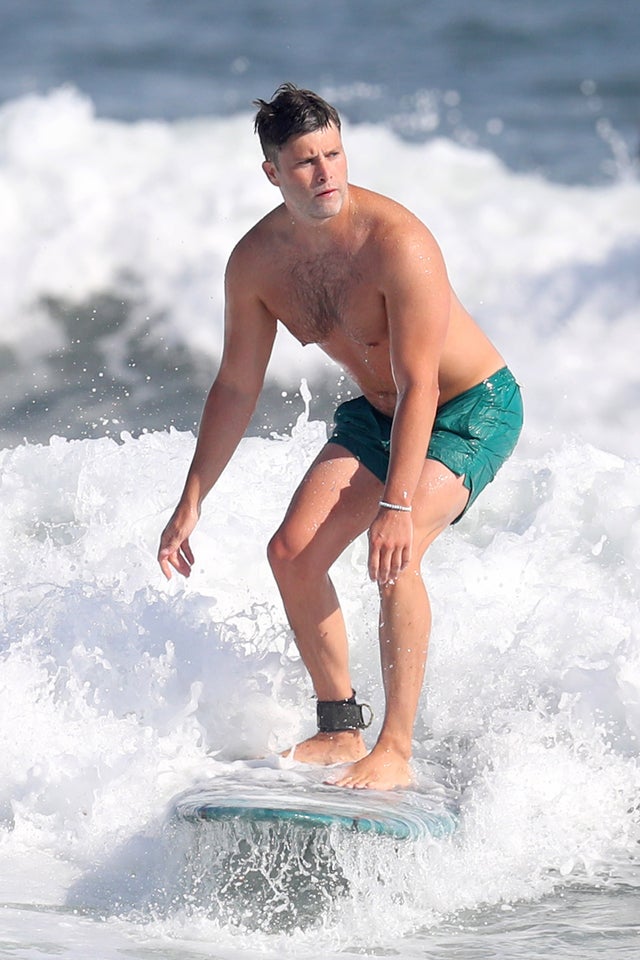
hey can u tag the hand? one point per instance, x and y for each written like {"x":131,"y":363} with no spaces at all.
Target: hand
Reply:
{"x":390,"y":542}
{"x":174,"y":548}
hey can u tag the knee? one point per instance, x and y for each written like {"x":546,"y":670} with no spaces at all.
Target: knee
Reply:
{"x":408,"y":586}
{"x":282,"y":553}
{"x":292,"y":556}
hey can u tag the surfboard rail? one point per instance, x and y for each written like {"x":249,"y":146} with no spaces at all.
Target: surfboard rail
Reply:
{"x":402,"y":815}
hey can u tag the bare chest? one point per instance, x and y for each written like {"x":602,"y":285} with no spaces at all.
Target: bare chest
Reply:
{"x":328,"y":298}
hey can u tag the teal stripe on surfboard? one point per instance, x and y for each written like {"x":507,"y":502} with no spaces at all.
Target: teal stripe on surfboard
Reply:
{"x":397,"y":818}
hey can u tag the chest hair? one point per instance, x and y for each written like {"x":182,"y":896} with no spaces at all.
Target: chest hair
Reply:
{"x":321,"y":289}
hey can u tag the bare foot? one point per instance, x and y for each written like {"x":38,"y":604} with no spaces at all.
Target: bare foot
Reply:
{"x":328,"y":748}
{"x":382,"y":769}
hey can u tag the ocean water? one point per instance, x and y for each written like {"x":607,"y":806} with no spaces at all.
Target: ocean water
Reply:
{"x":128,"y":170}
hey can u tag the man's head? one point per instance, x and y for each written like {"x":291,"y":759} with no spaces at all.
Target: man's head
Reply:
{"x":290,"y":113}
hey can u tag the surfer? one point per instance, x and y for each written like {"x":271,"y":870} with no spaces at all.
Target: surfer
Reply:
{"x":360,"y":276}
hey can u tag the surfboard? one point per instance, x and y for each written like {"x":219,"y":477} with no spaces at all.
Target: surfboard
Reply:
{"x":305,"y":802}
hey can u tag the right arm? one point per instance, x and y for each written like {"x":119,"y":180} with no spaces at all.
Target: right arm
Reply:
{"x":249,"y":335}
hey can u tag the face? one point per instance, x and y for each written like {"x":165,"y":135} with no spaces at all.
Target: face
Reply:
{"x":311,"y":174}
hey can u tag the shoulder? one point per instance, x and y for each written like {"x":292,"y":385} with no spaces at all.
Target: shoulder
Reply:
{"x":395,"y":235}
{"x":254,"y":251}
{"x":389,"y":224}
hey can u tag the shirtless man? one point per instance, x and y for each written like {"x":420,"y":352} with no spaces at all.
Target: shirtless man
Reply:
{"x":359,"y":275}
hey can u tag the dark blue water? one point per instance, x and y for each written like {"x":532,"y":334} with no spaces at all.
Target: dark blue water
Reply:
{"x":552,"y":86}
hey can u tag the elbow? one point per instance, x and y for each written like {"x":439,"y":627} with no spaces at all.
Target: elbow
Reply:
{"x":423,"y":391}
{"x":240,"y":396}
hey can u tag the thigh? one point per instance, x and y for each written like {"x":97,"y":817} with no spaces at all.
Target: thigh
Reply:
{"x":439,"y":499}
{"x":335,"y":502}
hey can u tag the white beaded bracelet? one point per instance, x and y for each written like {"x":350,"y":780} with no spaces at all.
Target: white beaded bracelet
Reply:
{"x":394,"y":506}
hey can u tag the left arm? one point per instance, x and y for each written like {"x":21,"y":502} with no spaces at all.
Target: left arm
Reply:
{"x":417,"y":297}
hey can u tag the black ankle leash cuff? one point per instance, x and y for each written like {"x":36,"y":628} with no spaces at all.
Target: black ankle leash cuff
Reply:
{"x":336,"y":715}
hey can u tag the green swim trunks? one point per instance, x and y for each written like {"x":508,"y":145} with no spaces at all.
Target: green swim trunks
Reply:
{"x":473,"y":434}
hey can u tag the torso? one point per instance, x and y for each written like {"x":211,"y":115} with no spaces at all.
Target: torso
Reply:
{"x":335,"y":299}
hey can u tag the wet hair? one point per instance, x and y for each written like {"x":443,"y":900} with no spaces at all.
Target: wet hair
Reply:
{"x":290,"y":112}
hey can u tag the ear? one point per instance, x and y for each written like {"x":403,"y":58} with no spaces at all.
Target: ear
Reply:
{"x":271,"y":172}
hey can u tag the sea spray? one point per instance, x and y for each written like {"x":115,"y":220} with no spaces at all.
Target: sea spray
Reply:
{"x":119,"y":691}
{"x":114,"y":321}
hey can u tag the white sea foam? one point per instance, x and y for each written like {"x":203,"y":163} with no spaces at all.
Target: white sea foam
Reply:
{"x":119,"y":691}
{"x":148,"y":213}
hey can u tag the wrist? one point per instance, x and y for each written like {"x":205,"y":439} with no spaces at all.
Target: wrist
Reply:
{"x":189,"y":506}
{"x":399,"y":507}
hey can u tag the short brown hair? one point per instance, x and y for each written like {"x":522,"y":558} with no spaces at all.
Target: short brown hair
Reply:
{"x":290,"y":112}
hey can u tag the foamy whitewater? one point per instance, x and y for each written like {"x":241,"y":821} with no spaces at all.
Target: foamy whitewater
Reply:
{"x":118,"y":691}
{"x":114,"y":240}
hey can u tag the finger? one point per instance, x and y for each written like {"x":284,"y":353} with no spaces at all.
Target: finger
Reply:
{"x":165,"y":566}
{"x":392,"y":564}
{"x":169,"y":557}
{"x":400,"y":561}
{"x":374,"y":562}
{"x":179,"y":563}
{"x":394,"y":567}
{"x":384,"y":571}
{"x":186,"y":549}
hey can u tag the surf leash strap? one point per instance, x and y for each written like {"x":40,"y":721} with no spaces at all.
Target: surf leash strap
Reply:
{"x":336,"y":715}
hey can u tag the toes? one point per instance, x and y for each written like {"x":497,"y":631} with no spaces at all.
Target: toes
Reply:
{"x":352,"y":782}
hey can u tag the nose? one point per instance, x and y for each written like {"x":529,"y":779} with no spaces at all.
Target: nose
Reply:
{"x":322,"y":173}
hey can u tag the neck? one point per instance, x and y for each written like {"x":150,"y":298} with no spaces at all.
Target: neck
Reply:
{"x":321,"y":234}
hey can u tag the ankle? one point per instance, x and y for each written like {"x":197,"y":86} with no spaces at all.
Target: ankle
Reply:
{"x":339,"y":736}
{"x":398,"y":746}
{"x":342,"y":715}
